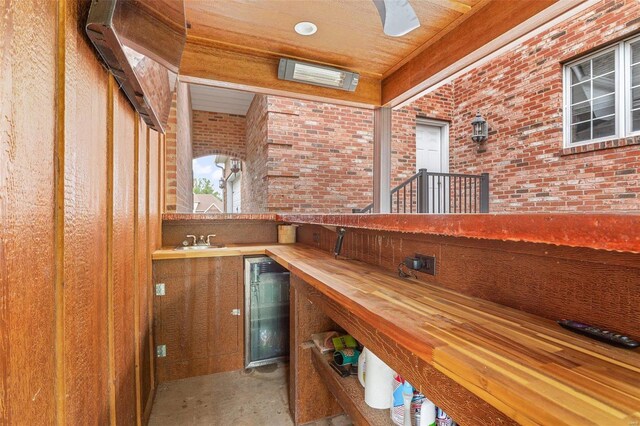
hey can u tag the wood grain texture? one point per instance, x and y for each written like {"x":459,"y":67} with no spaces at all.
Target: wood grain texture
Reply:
{"x":514,"y":361}
{"x":546,"y":280}
{"x":85,"y":198}
{"x":349,"y":33}
{"x":136,"y":268}
{"x":309,"y":398}
{"x":143,"y":276}
{"x":27,"y":304}
{"x":194,"y":318}
{"x":56,"y":314}
{"x":123,"y":260}
{"x":154,"y":212}
{"x":616,"y":232}
{"x":229,"y":250}
{"x":226,"y":231}
{"x":453,"y":398}
{"x":207,"y":63}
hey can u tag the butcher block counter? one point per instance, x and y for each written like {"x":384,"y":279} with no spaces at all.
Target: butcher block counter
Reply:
{"x":527,"y":367}
{"x":167,"y":253}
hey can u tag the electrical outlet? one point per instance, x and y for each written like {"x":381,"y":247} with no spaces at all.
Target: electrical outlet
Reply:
{"x":160,"y":289}
{"x":161,"y":351}
{"x":428,"y":264}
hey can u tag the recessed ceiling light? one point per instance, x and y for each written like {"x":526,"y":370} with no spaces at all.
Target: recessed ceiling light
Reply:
{"x":306,"y":28}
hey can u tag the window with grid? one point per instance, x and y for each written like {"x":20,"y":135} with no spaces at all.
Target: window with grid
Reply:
{"x":602,"y":95}
{"x":634,"y":86}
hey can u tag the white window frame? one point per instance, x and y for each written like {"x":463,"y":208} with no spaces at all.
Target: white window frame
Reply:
{"x":622,"y":83}
{"x":627,"y":86}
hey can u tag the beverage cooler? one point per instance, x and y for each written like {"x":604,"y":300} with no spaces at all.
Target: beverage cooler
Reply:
{"x":266,"y":311}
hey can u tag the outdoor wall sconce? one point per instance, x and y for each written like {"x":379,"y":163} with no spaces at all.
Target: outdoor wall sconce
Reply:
{"x":480,"y":129}
{"x":222,"y":183}
{"x":235,"y":165}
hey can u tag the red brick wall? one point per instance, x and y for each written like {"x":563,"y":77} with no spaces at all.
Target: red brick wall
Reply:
{"x":437,"y":105}
{"x":178,"y":165}
{"x":520,"y":94}
{"x":254,"y":174}
{"x":218,"y":133}
{"x":318,"y":156}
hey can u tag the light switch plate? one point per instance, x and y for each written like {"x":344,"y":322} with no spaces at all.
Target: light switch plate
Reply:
{"x":160,"y":289}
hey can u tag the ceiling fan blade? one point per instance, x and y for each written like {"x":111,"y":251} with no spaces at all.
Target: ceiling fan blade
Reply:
{"x":398,"y":17}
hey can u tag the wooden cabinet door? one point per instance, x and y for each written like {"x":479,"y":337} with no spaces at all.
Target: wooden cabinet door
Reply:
{"x":194,"y":318}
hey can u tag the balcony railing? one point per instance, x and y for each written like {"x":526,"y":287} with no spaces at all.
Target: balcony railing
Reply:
{"x":439,"y":193}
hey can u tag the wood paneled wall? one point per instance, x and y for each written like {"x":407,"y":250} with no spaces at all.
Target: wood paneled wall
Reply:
{"x":593,"y":286}
{"x":80,"y":206}
{"x":194,"y":318}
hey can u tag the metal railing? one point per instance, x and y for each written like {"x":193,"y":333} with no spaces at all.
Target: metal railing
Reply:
{"x":439,"y":193}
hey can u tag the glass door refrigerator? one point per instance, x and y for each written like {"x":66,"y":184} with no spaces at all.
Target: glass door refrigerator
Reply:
{"x":266,"y":311}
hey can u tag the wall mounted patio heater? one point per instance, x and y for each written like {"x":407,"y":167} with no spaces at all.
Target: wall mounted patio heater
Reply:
{"x":318,"y":75}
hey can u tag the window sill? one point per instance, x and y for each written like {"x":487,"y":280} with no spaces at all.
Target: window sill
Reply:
{"x":598,"y":146}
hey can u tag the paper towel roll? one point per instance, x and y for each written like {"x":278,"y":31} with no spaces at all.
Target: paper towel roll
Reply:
{"x":378,"y":385}
{"x":362,"y":365}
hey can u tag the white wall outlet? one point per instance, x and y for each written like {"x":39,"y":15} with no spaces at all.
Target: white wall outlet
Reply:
{"x":161,"y":351}
{"x":160,"y":289}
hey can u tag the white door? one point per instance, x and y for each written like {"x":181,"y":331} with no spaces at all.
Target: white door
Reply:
{"x":432,"y":153}
{"x":235,"y":194}
{"x":432,"y":147}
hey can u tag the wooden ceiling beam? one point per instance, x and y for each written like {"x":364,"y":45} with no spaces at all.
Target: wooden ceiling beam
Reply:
{"x":212,"y":64}
{"x":498,"y":23}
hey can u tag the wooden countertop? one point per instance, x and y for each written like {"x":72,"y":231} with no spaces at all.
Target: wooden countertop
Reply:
{"x":526,"y":366}
{"x":618,"y":232}
{"x":166,"y":253}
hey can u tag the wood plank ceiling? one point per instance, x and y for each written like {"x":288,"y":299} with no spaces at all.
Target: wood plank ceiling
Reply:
{"x":238,"y":43}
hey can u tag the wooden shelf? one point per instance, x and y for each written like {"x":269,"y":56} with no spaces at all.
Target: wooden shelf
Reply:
{"x":349,"y":393}
{"x":459,"y":350}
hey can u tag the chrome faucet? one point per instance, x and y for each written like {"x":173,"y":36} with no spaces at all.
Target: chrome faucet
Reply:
{"x":199,"y":241}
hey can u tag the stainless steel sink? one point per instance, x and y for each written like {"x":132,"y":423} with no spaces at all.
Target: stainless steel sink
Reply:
{"x":199,"y":247}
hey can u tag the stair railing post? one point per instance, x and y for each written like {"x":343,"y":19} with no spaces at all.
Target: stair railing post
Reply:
{"x":484,"y":193}
{"x":423,"y":196}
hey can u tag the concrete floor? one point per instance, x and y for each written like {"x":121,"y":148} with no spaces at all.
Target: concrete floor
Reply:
{"x":257,"y":396}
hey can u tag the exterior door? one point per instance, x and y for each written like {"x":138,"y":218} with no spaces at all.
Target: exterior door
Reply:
{"x":235,"y":197}
{"x":432,"y":146}
{"x":432,"y":154}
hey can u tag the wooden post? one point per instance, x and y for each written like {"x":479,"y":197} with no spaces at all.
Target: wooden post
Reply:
{"x":382,"y":160}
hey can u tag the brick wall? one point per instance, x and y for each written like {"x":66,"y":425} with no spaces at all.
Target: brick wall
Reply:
{"x":318,"y":156}
{"x":520,"y":94}
{"x":439,"y":106}
{"x":178,"y":168}
{"x":254,"y":175}
{"x":218,"y":133}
